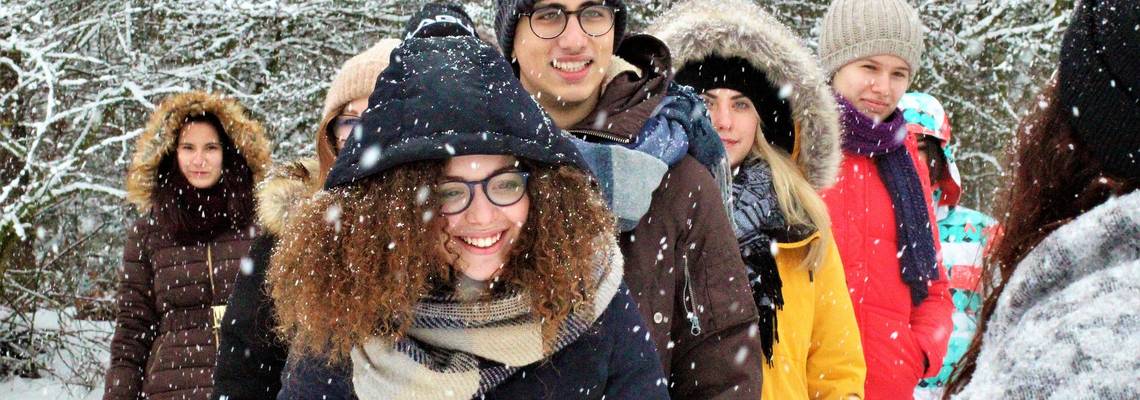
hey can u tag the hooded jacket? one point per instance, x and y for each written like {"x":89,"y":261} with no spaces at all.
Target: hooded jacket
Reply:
{"x":902,"y":343}
{"x":681,"y":256}
{"x":251,"y":358}
{"x":486,"y":347}
{"x":169,"y":294}
{"x":1065,"y":325}
{"x":818,"y":353}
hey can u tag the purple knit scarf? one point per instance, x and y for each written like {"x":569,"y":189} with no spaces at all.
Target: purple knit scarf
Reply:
{"x":883,"y":142}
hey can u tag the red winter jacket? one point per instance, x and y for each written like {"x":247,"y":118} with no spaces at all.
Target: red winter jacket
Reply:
{"x":901,"y":343}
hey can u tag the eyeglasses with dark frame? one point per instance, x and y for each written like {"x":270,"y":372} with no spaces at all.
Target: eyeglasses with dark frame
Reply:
{"x":550,"y":22}
{"x":502,"y":189}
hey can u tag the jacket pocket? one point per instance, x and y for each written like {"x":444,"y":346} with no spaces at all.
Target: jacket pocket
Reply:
{"x":917,"y":356}
{"x":890,"y":344}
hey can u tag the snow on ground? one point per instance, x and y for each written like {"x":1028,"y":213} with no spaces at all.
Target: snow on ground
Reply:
{"x":75,"y":370}
{"x":45,"y":389}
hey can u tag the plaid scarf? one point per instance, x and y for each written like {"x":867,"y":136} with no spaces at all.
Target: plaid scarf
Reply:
{"x":462,"y":350}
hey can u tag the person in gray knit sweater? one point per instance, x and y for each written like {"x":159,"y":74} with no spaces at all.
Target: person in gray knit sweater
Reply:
{"x":1061,"y":312}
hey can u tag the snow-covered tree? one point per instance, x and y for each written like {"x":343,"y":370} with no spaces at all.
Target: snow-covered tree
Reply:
{"x":79,"y":79}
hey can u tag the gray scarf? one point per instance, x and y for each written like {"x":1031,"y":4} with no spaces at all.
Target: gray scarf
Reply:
{"x":758,"y":223}
{"x":460,"y":349}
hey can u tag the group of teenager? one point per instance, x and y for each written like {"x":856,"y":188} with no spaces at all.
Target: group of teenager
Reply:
{"x":704,"y":211}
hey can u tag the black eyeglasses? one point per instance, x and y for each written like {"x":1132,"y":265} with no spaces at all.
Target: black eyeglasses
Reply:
{"x":502,"y":189}
{"x":550,"y":22}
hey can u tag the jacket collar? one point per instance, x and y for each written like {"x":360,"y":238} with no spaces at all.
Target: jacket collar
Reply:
{"x":636,"y":84}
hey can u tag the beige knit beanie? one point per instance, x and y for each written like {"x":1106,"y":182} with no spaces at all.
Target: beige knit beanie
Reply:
{"x":854,"y":29}
{"x":357,"y":77}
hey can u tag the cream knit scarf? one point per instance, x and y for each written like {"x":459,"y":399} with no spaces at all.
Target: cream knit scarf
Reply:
{"x":462,"y":350}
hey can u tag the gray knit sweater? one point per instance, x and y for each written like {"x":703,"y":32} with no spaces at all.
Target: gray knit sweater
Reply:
{"x":1068,"y":323}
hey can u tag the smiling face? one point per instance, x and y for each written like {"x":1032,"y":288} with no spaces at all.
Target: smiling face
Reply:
{"x":567,"y":69}
{"x":483,"y":234}
{"x":873,"y":84}
{"x":735,"y":119}
{"x":200,"y":154}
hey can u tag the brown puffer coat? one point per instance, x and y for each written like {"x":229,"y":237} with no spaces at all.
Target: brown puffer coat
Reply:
{"x":681,"y":261}
{"x":164,"y":345}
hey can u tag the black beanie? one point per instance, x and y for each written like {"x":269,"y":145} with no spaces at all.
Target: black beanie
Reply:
{"x":508,"y":13}
{"x":446,"y":97}
{"x":1100,"y":82}
{"x":716,"y":72}
{"x":438,"y":20}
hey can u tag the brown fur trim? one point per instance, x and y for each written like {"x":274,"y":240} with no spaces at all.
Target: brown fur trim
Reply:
{"x":696,"y":29}
{"x":284,"y":189}
{"x":160,"y":138}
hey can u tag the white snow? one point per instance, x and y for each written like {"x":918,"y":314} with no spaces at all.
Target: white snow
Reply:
{"x":70,"y":373}
{"x":46,"y":389}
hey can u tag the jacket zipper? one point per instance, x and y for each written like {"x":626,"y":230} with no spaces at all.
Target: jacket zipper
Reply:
{"x":691,"y":304}
{"x":155,"y":354}
{"x":603,"y":135}
{"x":217,"y":312}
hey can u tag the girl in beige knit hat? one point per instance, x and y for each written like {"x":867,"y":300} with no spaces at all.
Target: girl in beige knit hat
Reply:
{"x":347,"y":98}
{"x":881,"y":216}
{"x":871,"y":49}
{"x":251,"y":356}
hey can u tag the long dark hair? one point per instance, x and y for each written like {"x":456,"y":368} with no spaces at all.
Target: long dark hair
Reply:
{"x":193,"y":215}
{"x":1054,"y":180}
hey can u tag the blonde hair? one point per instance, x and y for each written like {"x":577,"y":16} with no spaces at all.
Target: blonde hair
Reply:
{"x":798,"y":200}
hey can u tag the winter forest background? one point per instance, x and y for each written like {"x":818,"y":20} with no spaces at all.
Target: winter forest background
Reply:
{"x":79,"y":77}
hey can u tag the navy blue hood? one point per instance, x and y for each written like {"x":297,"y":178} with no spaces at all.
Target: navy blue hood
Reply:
{"x":446,"y":97}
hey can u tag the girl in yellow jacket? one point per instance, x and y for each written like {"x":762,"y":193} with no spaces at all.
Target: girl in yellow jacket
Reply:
{"x":778,"y":121}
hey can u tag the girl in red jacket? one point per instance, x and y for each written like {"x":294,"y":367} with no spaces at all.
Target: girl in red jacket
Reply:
{"x":881,"y":215}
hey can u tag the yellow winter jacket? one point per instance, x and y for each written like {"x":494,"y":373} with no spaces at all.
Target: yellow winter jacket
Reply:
{"x":819,"y":354}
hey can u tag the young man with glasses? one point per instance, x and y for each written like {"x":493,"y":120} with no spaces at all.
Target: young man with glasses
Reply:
{"x":681,"y":264}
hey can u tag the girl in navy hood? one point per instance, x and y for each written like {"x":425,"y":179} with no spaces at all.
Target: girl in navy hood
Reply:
{"x":460,"y":249}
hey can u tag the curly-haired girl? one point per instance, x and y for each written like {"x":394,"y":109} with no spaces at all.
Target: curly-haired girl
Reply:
{"x":459,"y":250}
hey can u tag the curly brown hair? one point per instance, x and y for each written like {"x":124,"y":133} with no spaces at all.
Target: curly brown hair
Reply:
{"x":357,"y":259}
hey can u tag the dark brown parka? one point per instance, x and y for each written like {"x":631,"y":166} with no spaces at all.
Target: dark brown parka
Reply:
{"x":682,"y":264}
{"x":164,"y":345}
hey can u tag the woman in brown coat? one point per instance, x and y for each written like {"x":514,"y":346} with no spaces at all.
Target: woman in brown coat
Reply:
{"x":192,"y":179}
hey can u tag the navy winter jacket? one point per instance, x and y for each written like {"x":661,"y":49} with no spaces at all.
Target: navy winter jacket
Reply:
{"x":250,"y":356}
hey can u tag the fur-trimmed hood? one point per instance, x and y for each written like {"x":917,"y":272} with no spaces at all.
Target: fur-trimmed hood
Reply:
{"x":283,"y":191}
{"x":160,"y":137}
{"x":695,"y":29}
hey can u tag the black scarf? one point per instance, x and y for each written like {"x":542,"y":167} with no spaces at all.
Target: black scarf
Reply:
{"x":193,"y":215}
{"x":758,"y":225}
